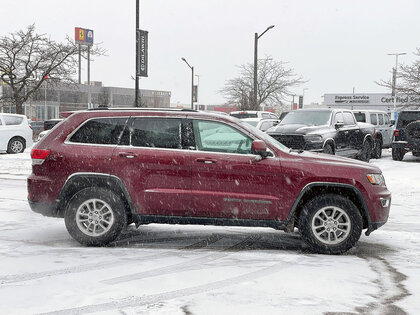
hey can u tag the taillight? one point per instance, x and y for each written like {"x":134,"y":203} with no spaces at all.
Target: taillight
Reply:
{"x":396,"y":133}
{"x":38,"y":156}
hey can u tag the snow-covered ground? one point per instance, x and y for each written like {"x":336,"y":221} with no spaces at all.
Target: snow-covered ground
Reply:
{"x":170,"y":269}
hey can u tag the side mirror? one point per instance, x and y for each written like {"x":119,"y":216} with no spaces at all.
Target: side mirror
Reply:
{"x":260,"y":148}
{"x":339,"y":124}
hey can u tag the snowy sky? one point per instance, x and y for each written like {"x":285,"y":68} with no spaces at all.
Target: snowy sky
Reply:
{"x":336,"y":45}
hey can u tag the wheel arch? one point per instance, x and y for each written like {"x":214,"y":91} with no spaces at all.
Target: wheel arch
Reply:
{"x":79,"y":181}
{"x":314,"y":189}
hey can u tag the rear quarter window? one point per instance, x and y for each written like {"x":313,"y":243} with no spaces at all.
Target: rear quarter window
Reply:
{"x":12,"y":120}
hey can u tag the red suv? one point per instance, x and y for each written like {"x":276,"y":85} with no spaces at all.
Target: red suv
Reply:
{"x":104,"y":169}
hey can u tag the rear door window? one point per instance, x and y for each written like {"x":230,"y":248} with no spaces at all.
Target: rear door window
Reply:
{"x":381,"y":119}
{"x":100,"y":131}
{"x":360,"y":117}
{"x":156,"y":133}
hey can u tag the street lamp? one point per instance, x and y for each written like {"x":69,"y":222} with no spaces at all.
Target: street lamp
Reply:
{"x":256,"y":62}
{"x":192,"y":81}
{"x":394,"y":81}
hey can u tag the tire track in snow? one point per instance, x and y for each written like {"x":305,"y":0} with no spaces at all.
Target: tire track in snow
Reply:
{"x":183,"y":266}
{"x":391,"y":288}
{"x":97,"y":266}
{"x":161,"y":297}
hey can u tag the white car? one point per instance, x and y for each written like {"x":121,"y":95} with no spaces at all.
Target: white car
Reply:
{"x":15,"y":133}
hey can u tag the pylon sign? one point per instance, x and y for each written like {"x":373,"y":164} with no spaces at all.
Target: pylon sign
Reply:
{"x":83,"y":36}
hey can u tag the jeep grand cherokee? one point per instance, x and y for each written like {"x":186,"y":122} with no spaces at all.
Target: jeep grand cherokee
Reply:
{"x":103,"y":169}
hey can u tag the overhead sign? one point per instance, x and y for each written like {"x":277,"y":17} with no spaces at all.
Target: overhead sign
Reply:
{"x":142,"y":41}
{"x":83,"y":36}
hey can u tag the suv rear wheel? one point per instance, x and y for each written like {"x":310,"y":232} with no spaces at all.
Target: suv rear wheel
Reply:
{"x":397,"y":154}
{"x":330,"y":224}
{"x":95,"y":216}
{"x":16,"y":145}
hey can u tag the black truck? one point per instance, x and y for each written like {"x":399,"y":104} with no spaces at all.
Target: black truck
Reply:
{"x":332,"y":131}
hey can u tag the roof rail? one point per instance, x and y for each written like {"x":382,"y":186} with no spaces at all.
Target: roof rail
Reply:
{"x":145,"y":109}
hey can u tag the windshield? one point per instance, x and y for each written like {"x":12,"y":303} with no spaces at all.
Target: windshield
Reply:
{"x":264,"y":136}
{"x":244,"y":115}
{"x":252,"y":123}
{"x":307,"y":117}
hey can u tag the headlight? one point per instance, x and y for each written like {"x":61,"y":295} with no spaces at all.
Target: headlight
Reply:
{"x":376,"y":179}
{"x":313,"y":138}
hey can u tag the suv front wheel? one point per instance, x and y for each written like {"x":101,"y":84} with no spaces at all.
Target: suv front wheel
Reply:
{"x":330,"y":224}
{"x":95,"y":216}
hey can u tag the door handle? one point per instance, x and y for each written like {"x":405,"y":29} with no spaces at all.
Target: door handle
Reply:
{"x":206,"y":161}
{"x":128,"y":155}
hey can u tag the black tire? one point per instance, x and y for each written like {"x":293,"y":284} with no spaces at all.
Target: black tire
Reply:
{"x":412,"y":132}
{"x":377,"y":149}
{"x":328,"y":149}
{"x":97,"y":207}
{"x":344,"y":228}
{"x":398,"y":154}
{"x":16,"y":145}
{"x":366,"y":151}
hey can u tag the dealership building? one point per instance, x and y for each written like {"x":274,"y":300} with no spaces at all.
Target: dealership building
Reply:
{"x":371,"y":101}
{"x":50,"y":100}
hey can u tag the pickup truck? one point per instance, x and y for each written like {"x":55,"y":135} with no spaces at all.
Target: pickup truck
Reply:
{"x":331,"y":131}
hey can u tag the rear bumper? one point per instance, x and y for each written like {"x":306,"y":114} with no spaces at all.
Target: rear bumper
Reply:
{"x":46,"y":209}
{"x":408,"y":146}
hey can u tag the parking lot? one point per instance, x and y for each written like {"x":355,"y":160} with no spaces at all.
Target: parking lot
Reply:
{"x":173,"y":269}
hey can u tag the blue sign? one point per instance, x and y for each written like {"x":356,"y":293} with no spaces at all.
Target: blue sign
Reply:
{"x":89,"y":36}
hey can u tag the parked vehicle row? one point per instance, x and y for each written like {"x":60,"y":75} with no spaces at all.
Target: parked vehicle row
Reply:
{"x":187,"y":167}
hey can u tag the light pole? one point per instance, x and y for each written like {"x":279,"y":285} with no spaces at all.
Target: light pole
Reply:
{"x":394,"y":81}
{"x":137,"y":92}
{"x":192,"y":81}
{"x":256,"y":37}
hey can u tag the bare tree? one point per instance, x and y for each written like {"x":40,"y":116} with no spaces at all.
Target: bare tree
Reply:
{"x":407,"y":82}
{"x":27,"y":59}
{"x":274,"y":81}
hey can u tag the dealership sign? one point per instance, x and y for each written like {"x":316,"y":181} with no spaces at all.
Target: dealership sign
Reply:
{"x":370,"y":99}
{"x":142,"y":42}
{"x":83,"y":36}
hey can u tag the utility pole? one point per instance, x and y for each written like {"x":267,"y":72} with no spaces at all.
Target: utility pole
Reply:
{"x":136,"y":96}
